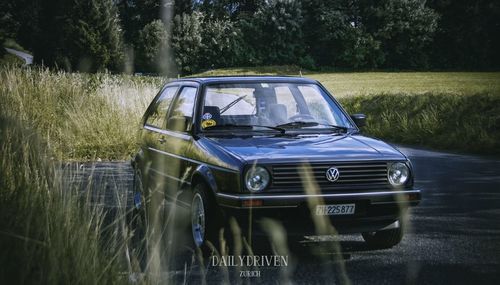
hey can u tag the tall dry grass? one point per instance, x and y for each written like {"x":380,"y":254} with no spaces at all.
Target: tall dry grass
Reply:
{"x":51,"y":231}
{"x":47,"y":234}
{"x":82,"y":116}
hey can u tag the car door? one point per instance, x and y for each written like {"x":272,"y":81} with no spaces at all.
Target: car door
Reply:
{"x":153,"y":136}
{"x":177,"y":140}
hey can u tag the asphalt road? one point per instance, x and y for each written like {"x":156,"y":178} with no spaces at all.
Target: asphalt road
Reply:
{"x":454,"y":236}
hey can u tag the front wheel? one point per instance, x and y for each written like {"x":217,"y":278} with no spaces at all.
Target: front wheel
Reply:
{"x":385,"y":238}
{"x":205,"y":221}
{"x":198,"y":221}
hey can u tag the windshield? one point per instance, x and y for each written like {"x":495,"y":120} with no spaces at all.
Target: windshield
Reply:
{"x":285,"y":105}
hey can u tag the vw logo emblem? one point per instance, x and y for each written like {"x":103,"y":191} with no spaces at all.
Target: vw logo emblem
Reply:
{"x":332,"y":174}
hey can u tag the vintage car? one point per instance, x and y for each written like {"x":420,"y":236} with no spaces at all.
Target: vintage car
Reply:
{"x":274,"y":147}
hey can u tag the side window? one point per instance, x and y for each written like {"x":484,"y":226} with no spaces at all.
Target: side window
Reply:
{"x":157,"y":117}
{"x":182,"y":111}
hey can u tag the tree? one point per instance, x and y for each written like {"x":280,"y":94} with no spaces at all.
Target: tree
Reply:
{"x":80,"y":35}
{"x":135,"y":14}
{"x":273,"y":34}
{"x":335,"y":35}
{"x":183,"y":6}
{"x":467,"y":35}
{"x":404,"y":28}
{"x":151,"y":45}
{"x":221,"y":44}
{"x":228,"y":8}
{"x":8,"y":26}
{"x":18,"y":23}
{"x":52,"y":40}
{"x":187,"y":41}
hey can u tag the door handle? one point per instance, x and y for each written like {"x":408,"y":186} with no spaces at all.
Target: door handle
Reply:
{"x":162,"y":140}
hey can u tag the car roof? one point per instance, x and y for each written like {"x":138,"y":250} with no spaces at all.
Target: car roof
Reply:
{"x":243,"y":79}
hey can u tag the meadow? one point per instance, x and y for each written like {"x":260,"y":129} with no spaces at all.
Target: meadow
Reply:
{"x":344,"y":84}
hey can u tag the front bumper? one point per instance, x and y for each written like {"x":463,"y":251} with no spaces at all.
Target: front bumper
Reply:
{"x":406,"y":197}
{"x":375,"y":210}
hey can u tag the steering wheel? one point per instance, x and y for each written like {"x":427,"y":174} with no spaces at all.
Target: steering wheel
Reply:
{"x":301,"y":117}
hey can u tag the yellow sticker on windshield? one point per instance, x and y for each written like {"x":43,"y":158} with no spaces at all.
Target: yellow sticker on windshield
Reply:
{"x":208,"y":123}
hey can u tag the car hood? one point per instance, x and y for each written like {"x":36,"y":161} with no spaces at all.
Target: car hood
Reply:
{"x":307,"y":147}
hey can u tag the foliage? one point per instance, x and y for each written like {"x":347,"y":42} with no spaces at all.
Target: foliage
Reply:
{"x":221,"y":43}
{"x":200,"y":42}
{"x":18,"y":23}
{"x":467,"y":34}
{"x":187,"y":41}
{"x":151,"y":45}
{"x":135,"y":15}
{"x":336,"y":36}
{"x":404,"y":30}
{"x":79,"y":35}
{"x":282,"y":42}
{"x":314,"y":34}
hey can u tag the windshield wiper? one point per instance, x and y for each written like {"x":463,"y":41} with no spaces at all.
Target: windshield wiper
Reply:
{"x":335,"y":127}
{"x":233,"y":126}
{"x":298,"y":124}
{"x":225,"y":108}
{"x":305,"y":124}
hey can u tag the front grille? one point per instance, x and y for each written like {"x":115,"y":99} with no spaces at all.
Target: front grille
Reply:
{"x":351,"y":173}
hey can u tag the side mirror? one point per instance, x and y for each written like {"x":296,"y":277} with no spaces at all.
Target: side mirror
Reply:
{"x":359,"y":119}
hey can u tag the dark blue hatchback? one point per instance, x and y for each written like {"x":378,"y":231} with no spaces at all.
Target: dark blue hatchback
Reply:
{"x":279,"y":148}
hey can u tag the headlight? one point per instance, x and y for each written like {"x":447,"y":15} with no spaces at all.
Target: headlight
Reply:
{"x":398,"y":173}
{"x":256,"y":179}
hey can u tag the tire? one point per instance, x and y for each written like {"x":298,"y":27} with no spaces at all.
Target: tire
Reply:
{"x":206,"y":222}
{"x":384,"y":239}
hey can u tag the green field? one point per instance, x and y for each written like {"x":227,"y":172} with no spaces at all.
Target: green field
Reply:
{"x":368,"y":83}
{"x":89,"y":117}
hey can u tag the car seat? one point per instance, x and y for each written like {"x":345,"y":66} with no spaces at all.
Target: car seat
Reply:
{"x":277,"y":113}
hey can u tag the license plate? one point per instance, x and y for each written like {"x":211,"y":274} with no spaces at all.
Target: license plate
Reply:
{"x":333,"y":210}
